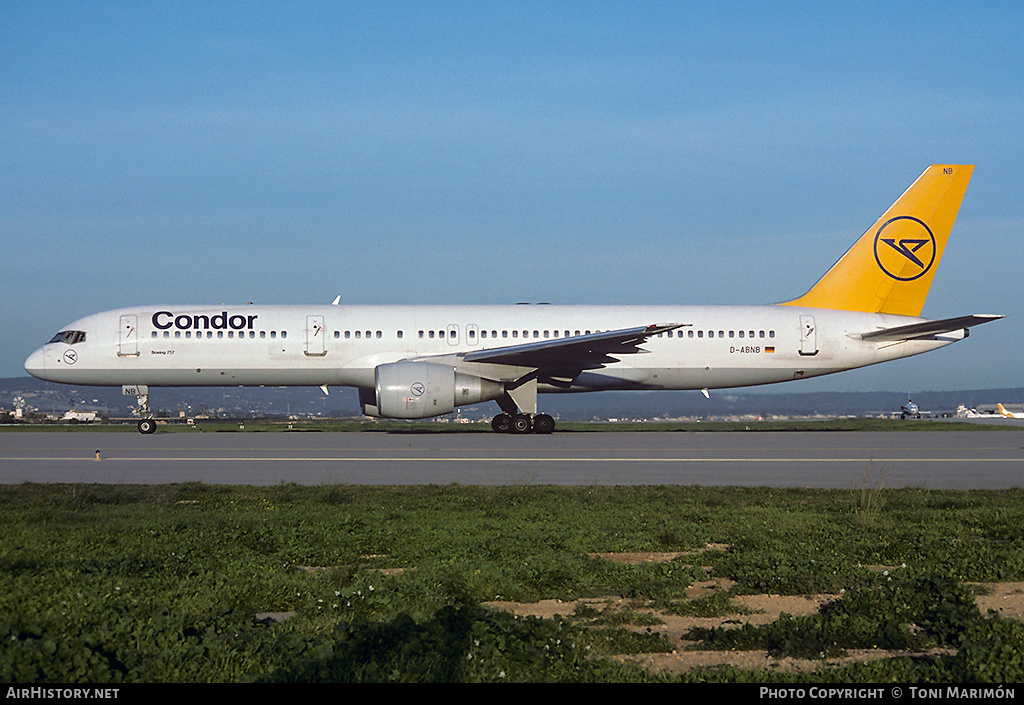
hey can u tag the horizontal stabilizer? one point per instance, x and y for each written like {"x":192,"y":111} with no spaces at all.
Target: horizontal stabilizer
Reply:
{"x":929,"y":328}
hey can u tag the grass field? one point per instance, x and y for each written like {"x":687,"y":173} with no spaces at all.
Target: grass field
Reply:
{"x":118,"y":583}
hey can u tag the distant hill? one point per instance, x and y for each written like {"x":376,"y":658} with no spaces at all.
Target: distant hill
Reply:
{"x":343,"y":402}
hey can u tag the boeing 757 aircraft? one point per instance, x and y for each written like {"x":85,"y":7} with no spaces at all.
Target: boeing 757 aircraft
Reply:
{"x":412,"y":362}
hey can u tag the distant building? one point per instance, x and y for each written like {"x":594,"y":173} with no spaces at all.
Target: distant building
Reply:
{"x":73,"y":415}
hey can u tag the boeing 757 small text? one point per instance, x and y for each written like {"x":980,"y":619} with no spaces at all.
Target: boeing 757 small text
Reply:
{"x":413,"y":362}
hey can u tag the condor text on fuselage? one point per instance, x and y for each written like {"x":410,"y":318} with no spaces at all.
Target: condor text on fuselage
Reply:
{"x":165,"y":320}
{"x":423,"y":361}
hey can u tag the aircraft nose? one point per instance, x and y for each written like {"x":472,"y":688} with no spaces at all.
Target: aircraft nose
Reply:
{"x":35,"y":365}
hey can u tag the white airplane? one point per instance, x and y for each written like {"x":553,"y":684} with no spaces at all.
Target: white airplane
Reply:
{"x":413,"y":362}
{"x":910,"y":409}
{"x":1008,"y":414}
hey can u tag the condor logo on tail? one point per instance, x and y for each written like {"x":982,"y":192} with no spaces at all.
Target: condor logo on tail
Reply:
{"x":904,"y":248}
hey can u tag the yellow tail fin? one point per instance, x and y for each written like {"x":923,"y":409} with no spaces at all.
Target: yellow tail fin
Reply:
{"x":891,"y":267}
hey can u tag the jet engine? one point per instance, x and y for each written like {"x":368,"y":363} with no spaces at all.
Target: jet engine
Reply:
{"x":418,"y":390}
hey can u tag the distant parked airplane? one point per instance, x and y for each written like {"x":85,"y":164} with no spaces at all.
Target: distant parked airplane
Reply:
{"x":1008,"y":414}
{"x":415,"y":362}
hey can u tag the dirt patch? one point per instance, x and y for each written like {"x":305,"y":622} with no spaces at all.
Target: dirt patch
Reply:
{"x":1007,"y":599}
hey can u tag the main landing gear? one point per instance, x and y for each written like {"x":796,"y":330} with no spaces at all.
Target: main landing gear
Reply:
{"x":519,"y":410}
{"x":523,"y":423}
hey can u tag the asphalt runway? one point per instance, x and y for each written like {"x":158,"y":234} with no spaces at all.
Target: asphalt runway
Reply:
{"x":930,"y":460}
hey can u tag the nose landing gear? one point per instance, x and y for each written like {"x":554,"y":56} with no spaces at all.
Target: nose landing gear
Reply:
{"x":146,"y":425}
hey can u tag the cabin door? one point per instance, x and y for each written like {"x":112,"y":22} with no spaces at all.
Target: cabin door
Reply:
{"x":808,"y":336}
{"x":128,"y":336}
{"x":316,"y":336}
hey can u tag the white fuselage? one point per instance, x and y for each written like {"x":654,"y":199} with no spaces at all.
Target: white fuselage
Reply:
{"x":248,"y":345}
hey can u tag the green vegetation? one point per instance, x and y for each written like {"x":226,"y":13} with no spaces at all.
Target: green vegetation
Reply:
{"x":126,"y":583}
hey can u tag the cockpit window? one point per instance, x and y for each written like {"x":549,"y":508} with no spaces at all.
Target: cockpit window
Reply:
{"x":71,"y":337}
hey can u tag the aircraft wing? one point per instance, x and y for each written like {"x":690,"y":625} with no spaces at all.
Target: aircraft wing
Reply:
{"x":582,"y":352}
{"x":928,"y":329}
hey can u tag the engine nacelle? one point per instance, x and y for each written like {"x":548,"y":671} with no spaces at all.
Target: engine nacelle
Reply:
{"x":419,"y":390}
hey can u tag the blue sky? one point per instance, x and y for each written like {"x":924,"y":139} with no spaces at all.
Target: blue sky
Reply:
{"x":493,"y":152}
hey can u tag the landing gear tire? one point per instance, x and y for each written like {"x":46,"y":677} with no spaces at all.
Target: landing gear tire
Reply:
{"x":502,"y":423}
{"x":543,"y":424}
{"x":522,"y":423}
{"x":147,"y":426}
